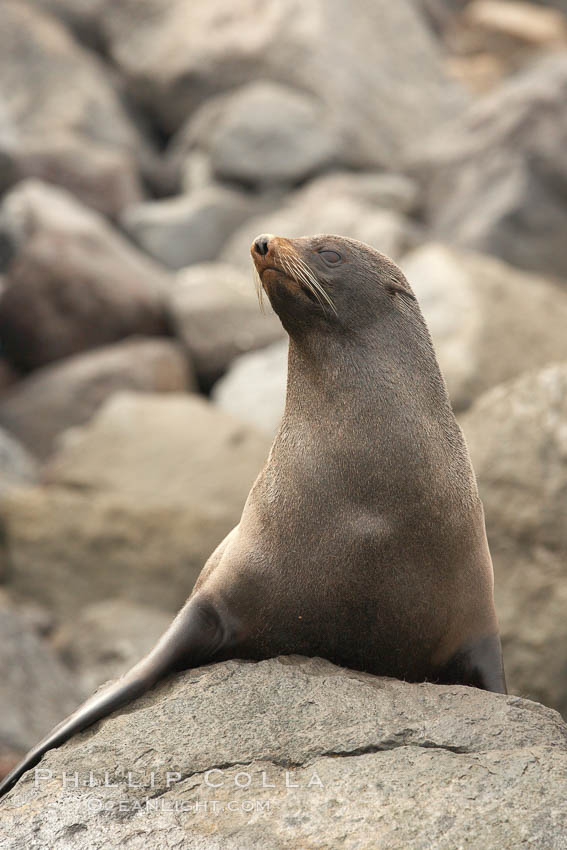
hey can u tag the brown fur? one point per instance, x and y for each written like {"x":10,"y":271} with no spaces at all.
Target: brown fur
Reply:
{"x":362,"y":539}
{"x":365,"y":524}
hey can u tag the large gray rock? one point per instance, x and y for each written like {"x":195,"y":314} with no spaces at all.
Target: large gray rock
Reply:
{"x":295,"y":752}
{"x":493,"y":179}
{"x":557,"y":4}
{"x":531,"y":600}
{"x":385,"y":189}
{"x":177,"y":55}
{"x":17,"y":466}
{"x":83,"y":17}
{"x":189,"y":228}
{"x":107,"y":638}
{"x":340,"y":206}
{"x":8,"y":375}
{"x":70,"y":134}
{"x":133,"y":504}
{"x":73,"y":283}
{"x":440,"y":14}
{"x":262,"y":134}
{"x":36,"y":690}
{"x":215,"y":312}
{"x":490,"y":40}
{"x":489,"y":322}
{"x":101,"y":177}
{"x":517,"y":435}
{"x":254,"y":387}
{"x":501,"y":26}
{"x":69,"y":392}
{"x":39,"y":58}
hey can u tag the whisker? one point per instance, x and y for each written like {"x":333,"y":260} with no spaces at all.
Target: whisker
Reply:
{"x":296,"y":268}
{"x":309,"y":273}
{"x":317,"y":284}
{"x":259,"y":288}
{"x":300,"y":274}
{"x":296,"y":271}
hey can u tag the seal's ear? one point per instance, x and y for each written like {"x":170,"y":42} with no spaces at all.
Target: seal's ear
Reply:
{"x":393,"y":288}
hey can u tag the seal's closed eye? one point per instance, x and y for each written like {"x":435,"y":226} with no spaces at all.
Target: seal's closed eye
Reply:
{"x":330,"y":257}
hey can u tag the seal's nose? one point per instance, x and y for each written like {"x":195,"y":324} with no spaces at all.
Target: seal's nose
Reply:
{"x":261,"y":244}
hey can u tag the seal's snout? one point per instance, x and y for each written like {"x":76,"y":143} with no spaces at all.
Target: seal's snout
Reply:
{"x":261,"y":244}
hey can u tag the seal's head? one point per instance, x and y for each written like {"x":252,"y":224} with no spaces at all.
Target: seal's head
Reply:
{"x":325,"y":280}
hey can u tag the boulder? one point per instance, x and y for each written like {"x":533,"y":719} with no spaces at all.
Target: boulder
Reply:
{"x":385,"y":189}
{"x":262,"y":134}
{"x":69,"y":134}
{"x":489,"y":322}
{"x":176,"y":55}
{"x":254,"y":388}
{"x":132,"y":505}
{"x":73,"y":283}
{"x":101,"y":177}
{"x":17,"y":467}
{"x":107,"y":638}
{"x":340,"y":209}
{"x":8,"y":376}
{"x":36,"y":690}
{"x":214,"y":311}
{"x":83,"y":17}
{"x":504,"y":22}
{"x":517,"y":438}
{"x":36,"y":617}
{"x":556,"y":4}
{"x":69,"y":392}
{"x":493,"y":39}
{"x":190,"y":228}
{"x":189,"y":171}
{"x":531,"y":599}
{"x":517,"y":434}
{"x":440,"y":14}
{"x":296,"y":752}
{"x":493,"y":178}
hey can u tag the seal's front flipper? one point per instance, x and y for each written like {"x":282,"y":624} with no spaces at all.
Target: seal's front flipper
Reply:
{"x":195,"y":636}
{"x":479,"y":664}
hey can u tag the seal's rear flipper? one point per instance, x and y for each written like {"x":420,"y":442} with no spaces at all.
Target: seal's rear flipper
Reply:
{"x":194,"y":637}
{"x":479,"y":664}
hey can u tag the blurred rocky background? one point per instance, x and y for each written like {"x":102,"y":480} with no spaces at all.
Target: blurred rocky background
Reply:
{"x":143,"y":143}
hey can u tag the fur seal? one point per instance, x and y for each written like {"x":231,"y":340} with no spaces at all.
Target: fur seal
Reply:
{"x":362,"y":539}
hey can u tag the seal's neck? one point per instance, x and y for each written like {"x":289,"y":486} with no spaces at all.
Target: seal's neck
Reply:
{"x":367,"y":407}
{"x":377,"y":401}
{"x":370,"y":378}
